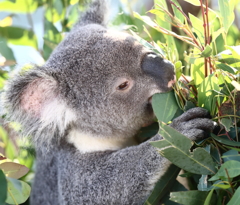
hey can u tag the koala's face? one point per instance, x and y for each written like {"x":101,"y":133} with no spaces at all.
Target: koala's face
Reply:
{"x":107,"y":78}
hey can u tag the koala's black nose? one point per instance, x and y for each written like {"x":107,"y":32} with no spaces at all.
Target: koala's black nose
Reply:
{"x":158,"y":68}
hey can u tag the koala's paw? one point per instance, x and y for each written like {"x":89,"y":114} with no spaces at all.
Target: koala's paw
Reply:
{"x":195,"y":123}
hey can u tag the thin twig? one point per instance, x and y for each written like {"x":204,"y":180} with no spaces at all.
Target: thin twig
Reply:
{"x":229,"y":180}
{"x":208,"y":31}
{"x":179,"y":9}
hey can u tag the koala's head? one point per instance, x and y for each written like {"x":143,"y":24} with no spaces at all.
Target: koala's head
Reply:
{"x":98,"y":82}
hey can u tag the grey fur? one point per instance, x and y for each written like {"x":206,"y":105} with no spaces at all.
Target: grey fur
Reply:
{"x":76,"y":90}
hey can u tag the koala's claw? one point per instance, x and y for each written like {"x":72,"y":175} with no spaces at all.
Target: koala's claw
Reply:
{"x":195,"y":123}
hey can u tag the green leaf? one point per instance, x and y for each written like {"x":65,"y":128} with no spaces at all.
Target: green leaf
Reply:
{"x":147,"y":44}
{"x":149,"y":131}
{"x":189,"y":105}
{"x":227,"y":123}
{"x":209,"y":197}
{"x":230,"y":56}
{"x":225,"y":141}
{"x":5,"y":50}
{"x":226,"y":68}
{"x":197,"y":71}
{"x":3,"y":188}
{"x":194,"y":2}
{"x":217,"y":33}
{"x":163,"y":185}
{"x":164,"y":106}
{"x":18,"y":6}
{"x":233,"y":168}
{"x":189,"y":197}
{"x":235,"y":198}
{"x":164,"y":21}
{"x":177,"y":150}
{"x":174,"y":188}
{"x":231,"y":155}
{"x":19,"y":36}
{"x":226,"y":12}
{"x":178,"y":69}
{"x":222,"y":186}
{"x":18,"y":191}
{"x":208,"y":93}
{"x":207,"y":51}
{"x":176,"y":12}
{"x":14,"y":170}
{"x":58,"y":6}
{"x":197,"y":27}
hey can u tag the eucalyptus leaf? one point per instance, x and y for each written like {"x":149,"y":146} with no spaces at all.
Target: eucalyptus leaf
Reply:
{"x":189,"y":197}
{"x":208,"y":200}
{"x":232,"y":60}
{"x":3,"y":187}
{"x":231,"y":155}
{"x":227,"y":12}
{"x":174,"y":188}
{"x":197,"y":71}
{"x":14,"y":170}
{"x":163,"y":185}
{"x":18,"y":6}
{"x":198,"y":28}
{"x":5,"y":50}
{"x":176,"y":12}
{"x":236,"y":198}
{"x":18,"y":191}
{"x":207,"y":51}
{"x":232,"y":167}
{"x":193,"y":2}
{"x":222,"y":186}
{"x":178,"y":69}
{"x":147,"y":44}
{"x":177,"y":150}
{"x":226,"y":68}
{"x":189,"y":105}
{"x":164,"y":106}
{"x":227,"y":123}
{"x":208,"y":93}
{"x":225,"y":141}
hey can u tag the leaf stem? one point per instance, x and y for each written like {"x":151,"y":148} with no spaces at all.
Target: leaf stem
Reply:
{"x":178,"y":8}
{"x":229,"y":180}
{"x":208,"y":31}
{"x":12,"y":197}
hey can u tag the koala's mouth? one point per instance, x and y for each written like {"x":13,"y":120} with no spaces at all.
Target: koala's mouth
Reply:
{"x":150,"y":100}
{"x":150,"y":111}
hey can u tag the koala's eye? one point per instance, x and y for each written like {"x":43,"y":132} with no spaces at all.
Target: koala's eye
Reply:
{"x":123,"y":86}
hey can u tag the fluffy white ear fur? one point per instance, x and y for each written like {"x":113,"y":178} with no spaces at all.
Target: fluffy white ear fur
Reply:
{"x":40,"y":99}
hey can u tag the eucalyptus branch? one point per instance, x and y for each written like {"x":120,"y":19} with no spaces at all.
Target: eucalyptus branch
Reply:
{"x":186,"y":30}
{"x":208,"y":30}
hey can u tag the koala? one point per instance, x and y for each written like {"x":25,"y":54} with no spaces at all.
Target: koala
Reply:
{"x":83,"y":109}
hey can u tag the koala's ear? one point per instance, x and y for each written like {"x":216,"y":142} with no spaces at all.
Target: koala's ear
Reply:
{"x":33,"y":100}
{"x":30,"y":93}
{"x":37,"y":95}
{"x":95,"y":14}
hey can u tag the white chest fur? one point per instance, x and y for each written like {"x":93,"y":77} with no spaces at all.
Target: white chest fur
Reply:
{"x":86,"y":143}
